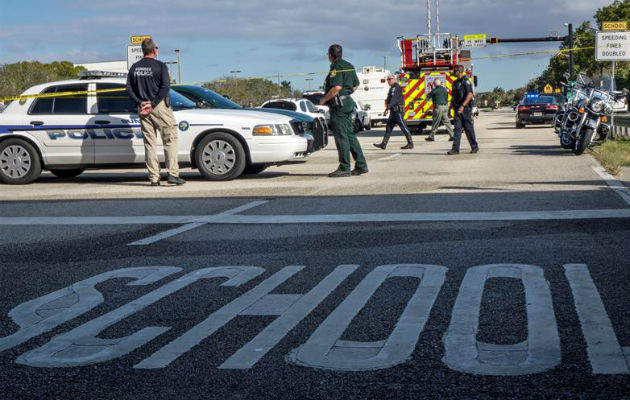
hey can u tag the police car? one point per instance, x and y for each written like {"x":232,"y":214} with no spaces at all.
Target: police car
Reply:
{"x":67,"y":134}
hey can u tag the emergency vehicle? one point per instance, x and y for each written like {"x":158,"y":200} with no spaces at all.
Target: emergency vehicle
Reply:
{"x":425,"y":58}
{"x":372,"y":92}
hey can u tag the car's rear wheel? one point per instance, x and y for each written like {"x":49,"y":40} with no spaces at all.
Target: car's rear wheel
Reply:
{"x":67,"y":173}
{"x":520,"y":125}
{"x":220,"y":157}
{"x":19,"y":162}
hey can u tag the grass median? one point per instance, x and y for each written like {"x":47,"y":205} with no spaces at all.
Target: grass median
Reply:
{"x":613,"y":154}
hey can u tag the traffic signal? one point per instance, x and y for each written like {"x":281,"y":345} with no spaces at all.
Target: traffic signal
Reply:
{"x":494,"y":40}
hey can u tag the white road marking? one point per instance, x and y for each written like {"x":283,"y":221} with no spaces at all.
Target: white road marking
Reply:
{"x":604,"y":351}
{"x":325,"y":218}
{"x":197,"y":224}
{"x":389,"y":157}
{"x":539,"y":352}
{"x":614,"y":183}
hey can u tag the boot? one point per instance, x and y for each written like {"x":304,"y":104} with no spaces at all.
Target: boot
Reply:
{"x":409,"y":141}
{"x":381,"y":146}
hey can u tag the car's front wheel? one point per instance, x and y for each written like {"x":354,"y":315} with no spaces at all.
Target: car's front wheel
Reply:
{"x":19,"y":162}
{"x":220,"y":157}
{"x":67,"y":173}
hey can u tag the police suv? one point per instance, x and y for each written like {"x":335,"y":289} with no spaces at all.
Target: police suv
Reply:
{"x":91,"y":122}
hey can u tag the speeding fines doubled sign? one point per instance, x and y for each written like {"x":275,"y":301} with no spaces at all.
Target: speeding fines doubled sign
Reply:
{"x":613,"y":46}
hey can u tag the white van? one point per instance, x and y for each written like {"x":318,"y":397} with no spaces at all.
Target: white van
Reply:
{"x":372,"y":92}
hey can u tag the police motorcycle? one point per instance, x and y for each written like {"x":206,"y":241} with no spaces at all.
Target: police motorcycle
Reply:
{"x":585,"y":120}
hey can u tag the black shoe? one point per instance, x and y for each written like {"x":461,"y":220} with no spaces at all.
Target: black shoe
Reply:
{"x":452,"y":152}
{"x":359,"y":171}
{"x":407,"y":146}
{"x":339,"y":173}
{"x":156,"y":183}
{"x":451,"y":139}
{"x":175,"y":180}
{"x":381,"y":146}
{"x":474,"y":150}
{"x":429,"y":139}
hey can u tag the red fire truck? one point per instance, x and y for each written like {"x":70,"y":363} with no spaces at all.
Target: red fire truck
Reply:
{"x":424,"y":59}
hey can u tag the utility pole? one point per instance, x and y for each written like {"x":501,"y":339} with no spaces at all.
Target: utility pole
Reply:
{"x":309,"y":83}
{"x":571,"y":74}
{"x":179,"y":67}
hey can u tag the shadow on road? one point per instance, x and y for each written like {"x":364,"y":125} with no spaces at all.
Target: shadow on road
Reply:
{"x":540,"y":150}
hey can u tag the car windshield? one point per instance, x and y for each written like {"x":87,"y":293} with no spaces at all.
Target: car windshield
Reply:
{"x":283,"y":105}
{"x":314,"y":97}
{"x":215,"y":100}
{"x":179,"y":102}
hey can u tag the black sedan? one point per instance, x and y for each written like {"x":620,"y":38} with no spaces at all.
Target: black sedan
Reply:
{"x":536,"y":110}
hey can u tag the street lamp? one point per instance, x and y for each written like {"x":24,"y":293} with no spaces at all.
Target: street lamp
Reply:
{"x":570,"y":27}
{"x":309,"y":83}
{"x":170,"y":69}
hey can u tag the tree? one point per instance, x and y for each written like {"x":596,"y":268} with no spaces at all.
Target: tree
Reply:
{"x":17,"y":77}
{"x":584,"y":56}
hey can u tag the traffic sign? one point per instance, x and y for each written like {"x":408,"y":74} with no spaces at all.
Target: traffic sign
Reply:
{"x":615,"y":26}
{"x":134,"y":53}
{"x":139,"y":39}
{"x":548,"y":88}
{"x":612,"y":46}
{"x":478,"y":40}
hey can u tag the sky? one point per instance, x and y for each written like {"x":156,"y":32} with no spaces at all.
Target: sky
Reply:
{"x":283,"y":37}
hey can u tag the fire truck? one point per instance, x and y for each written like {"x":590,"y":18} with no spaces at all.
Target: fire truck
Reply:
{"x":425,"y":58}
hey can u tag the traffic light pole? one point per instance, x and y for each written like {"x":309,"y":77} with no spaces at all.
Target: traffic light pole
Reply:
{"x":570,"y":26}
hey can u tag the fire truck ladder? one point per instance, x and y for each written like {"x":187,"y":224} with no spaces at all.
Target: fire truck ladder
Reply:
{"x":430,"y":50}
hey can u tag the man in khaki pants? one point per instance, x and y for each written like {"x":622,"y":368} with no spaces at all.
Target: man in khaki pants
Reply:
{"x":148,"y":84}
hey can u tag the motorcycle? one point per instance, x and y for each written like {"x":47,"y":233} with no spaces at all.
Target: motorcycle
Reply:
{"x":585,"y":119}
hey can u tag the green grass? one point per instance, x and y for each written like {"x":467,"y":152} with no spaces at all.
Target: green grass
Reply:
{"x":613,"y":154}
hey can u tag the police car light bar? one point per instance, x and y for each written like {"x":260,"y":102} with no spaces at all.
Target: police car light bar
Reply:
{"x":101,"y":74}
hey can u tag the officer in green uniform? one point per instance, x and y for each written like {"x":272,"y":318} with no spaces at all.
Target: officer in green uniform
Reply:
{"x":341,"y":81}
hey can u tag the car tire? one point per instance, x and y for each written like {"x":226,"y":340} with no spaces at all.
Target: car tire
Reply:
{"x":19,"y":162}
{"x":67,"y":173}
{"x":220,"y":157}
{"x":253,"y":169}
{"x":520,"y":125}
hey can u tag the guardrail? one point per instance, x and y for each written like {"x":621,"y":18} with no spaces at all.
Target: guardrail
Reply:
{"x":621,"y":127}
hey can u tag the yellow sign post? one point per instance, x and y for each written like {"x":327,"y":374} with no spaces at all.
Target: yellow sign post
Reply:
{"x":139,"y":39}
{"x":548,"y":88}
{"x":615,"y":26}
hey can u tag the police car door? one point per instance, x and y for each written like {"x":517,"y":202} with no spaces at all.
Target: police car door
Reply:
{"x":118,"y":138}
{"x":61,"y":124}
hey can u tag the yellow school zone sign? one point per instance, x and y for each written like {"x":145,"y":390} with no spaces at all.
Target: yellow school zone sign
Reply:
{"x":615,"y":26}
{"x":139,"y":39}
{"x":548,"y":88}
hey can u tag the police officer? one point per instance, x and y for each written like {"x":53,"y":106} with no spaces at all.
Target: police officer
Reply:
{"x":439,"y":98}
{"x":462,"y":103}
{"x":148,"y":83}
{"x":394,"y":104}
{"x":341,"y":81}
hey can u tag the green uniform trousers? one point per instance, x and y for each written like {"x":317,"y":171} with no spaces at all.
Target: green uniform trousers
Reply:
{"x":346,"y":140}
{"x":440,"y":115}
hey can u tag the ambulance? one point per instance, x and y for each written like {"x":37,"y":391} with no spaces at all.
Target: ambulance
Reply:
{"x":372,"y":92}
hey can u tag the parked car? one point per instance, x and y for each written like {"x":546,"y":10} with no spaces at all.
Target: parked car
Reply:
{"x":306,"y":125}
{"x":536,"y":109}
{"x":69,"y":134}
{"x":360,"y":118}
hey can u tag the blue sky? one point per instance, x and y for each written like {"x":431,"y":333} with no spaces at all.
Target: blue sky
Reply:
{"x":287,"y":37}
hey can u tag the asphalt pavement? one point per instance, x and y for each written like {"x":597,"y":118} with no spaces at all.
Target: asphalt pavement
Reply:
{"x":502,"y":274}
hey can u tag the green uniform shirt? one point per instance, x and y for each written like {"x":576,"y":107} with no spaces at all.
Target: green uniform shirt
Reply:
{"x":439,"y":96}
{"x":342,"y":74}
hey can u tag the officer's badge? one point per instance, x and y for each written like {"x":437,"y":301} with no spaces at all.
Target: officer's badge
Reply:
{"x":183,"y":126}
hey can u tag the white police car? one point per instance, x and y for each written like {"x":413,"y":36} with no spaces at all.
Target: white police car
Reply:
{"x":68,"y":134}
